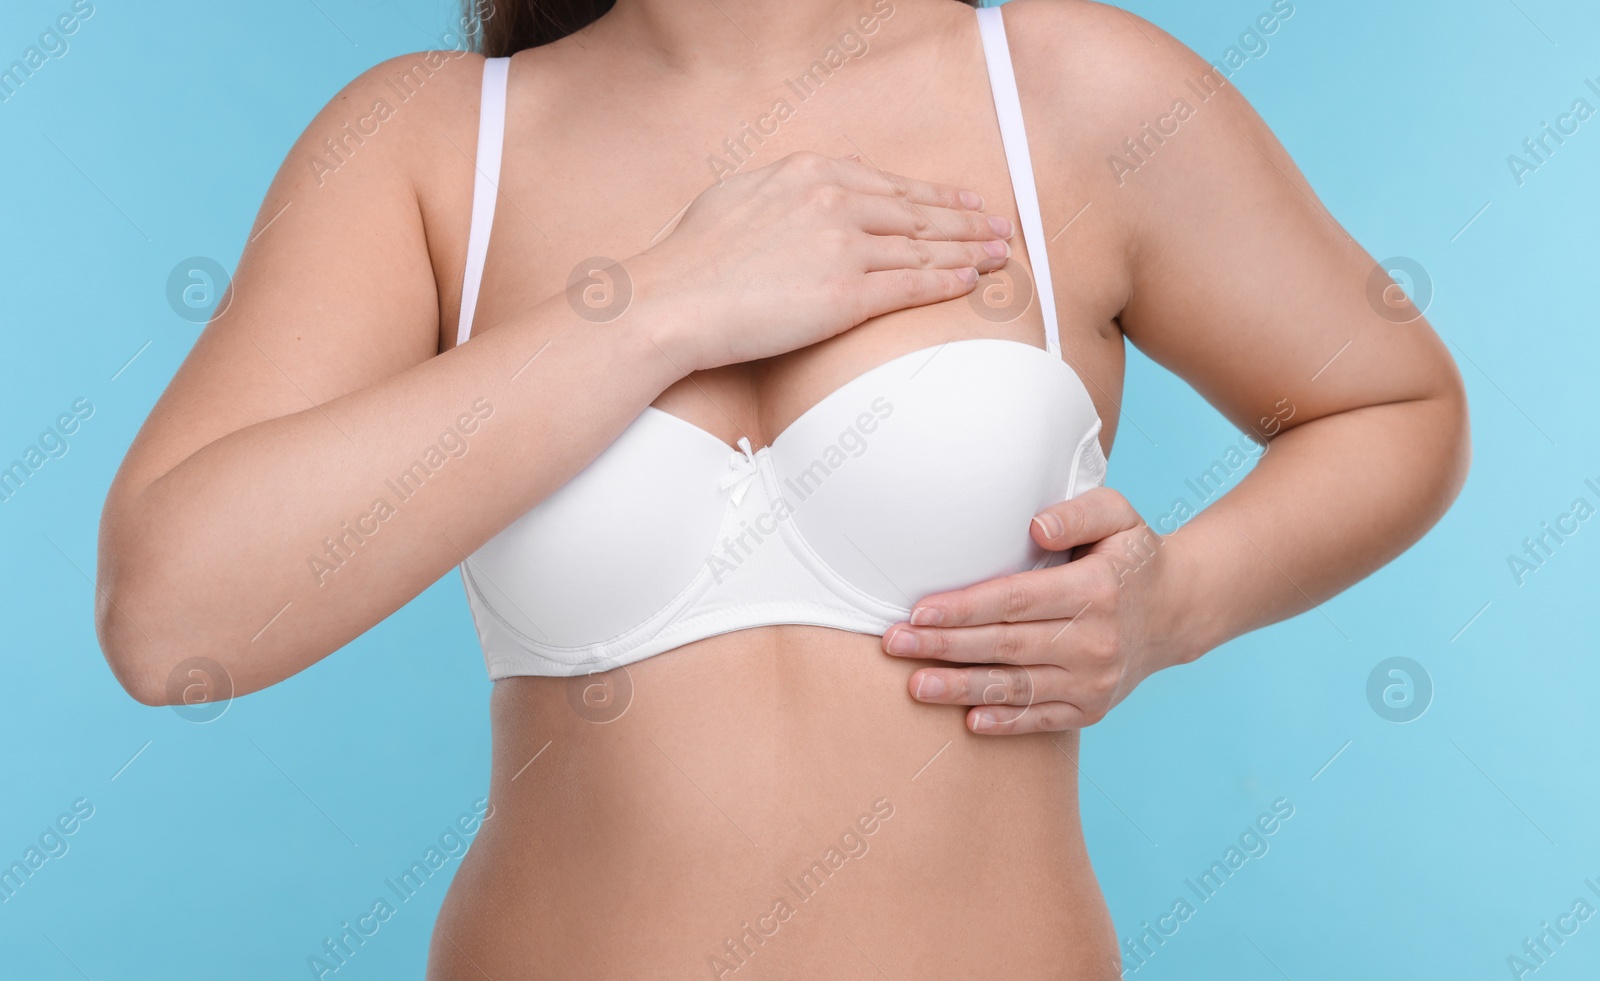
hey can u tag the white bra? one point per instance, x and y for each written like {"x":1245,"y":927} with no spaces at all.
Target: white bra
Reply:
{"x":918,"y":476}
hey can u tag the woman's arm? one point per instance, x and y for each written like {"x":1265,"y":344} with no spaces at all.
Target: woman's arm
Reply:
{"x":312,"y":395}
{"x":1243,"y":285}
{"x":315,"y":463}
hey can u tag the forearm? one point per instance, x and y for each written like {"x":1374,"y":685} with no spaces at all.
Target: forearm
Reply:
{"x":281,"y":521}
{"x":1330,"y":501}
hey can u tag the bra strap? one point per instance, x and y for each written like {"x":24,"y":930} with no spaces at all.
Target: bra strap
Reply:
{"x":1014,"y":138}
{"x":485,"y":186}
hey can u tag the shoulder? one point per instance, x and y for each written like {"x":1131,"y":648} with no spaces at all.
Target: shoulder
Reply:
{"x":1074,"y":36}
{"x":392,"y":124}
{"x":411,"y":99}
{"x":1126,"y":114}
{"x":428,"y":79}
{"x":378,"y":140}
{"x":391,"y":155}
{"x":1105,"y":68}
{"x":409,"y":123}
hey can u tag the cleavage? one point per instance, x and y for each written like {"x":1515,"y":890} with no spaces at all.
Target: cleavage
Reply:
{"x":759,"y":400}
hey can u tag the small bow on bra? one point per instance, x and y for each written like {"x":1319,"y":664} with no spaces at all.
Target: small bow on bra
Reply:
{"x":741,"y":471}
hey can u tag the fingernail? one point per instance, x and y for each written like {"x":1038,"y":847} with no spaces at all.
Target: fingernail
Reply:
{"x":927,"y":616}
{"x":930,"y":686}
{"x":997,"y":248}
{"x":968,"y":274}
{"x":1049,"y":524}
{"x":985,"y":720}
{"x":971,"y":200}
{"x":903,"y":642}
{"x":1001,"y":226}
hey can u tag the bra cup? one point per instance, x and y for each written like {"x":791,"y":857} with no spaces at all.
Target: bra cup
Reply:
{"x":919,"y":476}
{"x":615,"y":544}
{"x":967,"y":443}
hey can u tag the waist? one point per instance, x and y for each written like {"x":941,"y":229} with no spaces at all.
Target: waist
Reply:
{"x":746,"y":798}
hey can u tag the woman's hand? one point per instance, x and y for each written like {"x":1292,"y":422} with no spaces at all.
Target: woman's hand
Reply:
{"x":805,"y":248}
{"x":1058,"y":647}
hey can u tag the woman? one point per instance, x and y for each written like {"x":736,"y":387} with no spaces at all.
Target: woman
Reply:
{"x":765,"y":514}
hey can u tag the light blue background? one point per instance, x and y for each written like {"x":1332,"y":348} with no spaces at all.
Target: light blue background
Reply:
{"x":1424,"y":850}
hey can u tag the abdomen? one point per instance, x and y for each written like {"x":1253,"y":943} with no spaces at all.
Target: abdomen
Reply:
{"x":769,"y":804}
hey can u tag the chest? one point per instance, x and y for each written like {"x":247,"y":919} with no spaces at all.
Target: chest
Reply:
{"x":602,"y":167}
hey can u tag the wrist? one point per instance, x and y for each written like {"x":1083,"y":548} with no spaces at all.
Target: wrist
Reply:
{"x":664,"y":319}
{"x":1188,"y":623}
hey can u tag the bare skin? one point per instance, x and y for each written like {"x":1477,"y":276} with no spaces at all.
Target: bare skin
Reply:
{"x":639,"y":846}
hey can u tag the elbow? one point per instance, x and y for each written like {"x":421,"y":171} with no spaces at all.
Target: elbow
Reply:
{"x":169,"y":627}
{"x":151,"y":674}
{"x":1456,"y":430}
{"x":139,"y":684}
{"x":127,"y":620}
{"x":162,"y":667}
{"x":146,"y":624}
{"x":127,"y":651}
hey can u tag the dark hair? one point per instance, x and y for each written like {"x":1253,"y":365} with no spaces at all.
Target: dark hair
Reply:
{"x":504,"y":27}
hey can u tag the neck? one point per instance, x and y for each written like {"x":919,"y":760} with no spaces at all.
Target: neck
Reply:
{"x":749,"y":38}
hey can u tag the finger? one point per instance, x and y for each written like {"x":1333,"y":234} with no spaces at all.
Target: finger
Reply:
{"x":992,"y":643}
{"x":891,"y":216}
{"x":1091,"y":516}
{"x":1000,"y":720}
{"x":858,"y":175}
{"x":1057,"y":593}
{"x":1019,"y":686}
{"x":896,"y":289}
{"x":898,"y":252}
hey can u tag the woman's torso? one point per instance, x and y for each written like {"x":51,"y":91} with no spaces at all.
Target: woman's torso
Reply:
{"x":645,"y":818}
